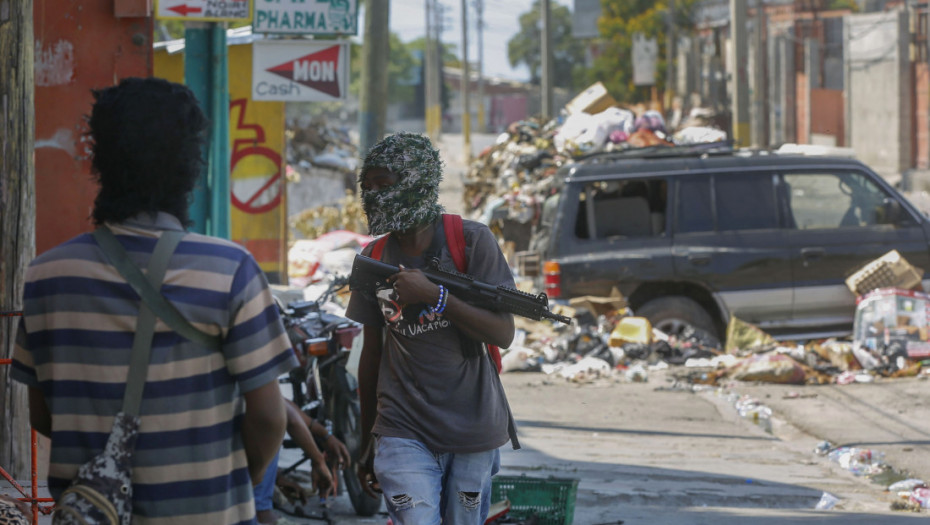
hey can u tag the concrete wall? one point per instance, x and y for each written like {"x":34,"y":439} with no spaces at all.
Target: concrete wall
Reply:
{"x":79,"y":46}
{"x":878,"y":95}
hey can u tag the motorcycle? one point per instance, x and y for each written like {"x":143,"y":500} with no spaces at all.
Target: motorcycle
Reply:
{"x":322,"y":386}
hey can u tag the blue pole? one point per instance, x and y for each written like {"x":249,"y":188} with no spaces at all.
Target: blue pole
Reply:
{"x":206,"y":74}
{"x":220,"y":196}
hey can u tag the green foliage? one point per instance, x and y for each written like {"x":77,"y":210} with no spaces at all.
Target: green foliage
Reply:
{"x":567,"y":51}
{"x":852,"y":5}
{"x":620,"y":20}
{"x":402,"y":66}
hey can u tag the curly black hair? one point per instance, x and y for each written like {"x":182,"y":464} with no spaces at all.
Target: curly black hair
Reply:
{"x":147,"y":135}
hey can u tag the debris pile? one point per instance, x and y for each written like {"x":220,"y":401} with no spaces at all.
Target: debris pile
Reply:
{"x":508,"y":183}
{"x":322,"y":160}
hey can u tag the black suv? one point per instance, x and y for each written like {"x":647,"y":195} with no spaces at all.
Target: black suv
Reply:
{"x":694,"y":236}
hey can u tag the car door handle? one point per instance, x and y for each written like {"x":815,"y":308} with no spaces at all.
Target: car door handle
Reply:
{"x":699,"y":260}
{"x":812,"y":253}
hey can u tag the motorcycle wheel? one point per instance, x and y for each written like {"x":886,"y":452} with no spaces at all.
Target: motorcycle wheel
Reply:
{"x":346,"y":412}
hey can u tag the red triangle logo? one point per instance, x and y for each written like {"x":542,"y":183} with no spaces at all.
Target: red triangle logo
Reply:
{"x":319,"y":71}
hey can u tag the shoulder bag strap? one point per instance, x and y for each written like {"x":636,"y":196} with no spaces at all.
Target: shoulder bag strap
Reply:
{"x":145,"y":325}
{"x":152,"y":297}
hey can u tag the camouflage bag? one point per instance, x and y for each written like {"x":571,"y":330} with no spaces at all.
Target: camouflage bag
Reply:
{"x":101,"y":493}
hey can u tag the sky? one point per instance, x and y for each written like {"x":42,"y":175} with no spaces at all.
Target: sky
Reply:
{"x":408,"y":20}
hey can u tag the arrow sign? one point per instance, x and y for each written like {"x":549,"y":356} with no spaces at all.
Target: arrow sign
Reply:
{"x":316,"y":70}
{"x":184,"y":10}
{"x":204,"y":10}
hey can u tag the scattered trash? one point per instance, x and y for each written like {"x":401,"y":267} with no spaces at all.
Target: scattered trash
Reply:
{"x":769,"y":368}
{"x":827,"y":501}
{"x":751,"y":409}
{"x":906,"y":485}
{"x":921,"y":496}
{"x":891,"y":323}
{"x":637,"y":374}
{"x":859,"y":461}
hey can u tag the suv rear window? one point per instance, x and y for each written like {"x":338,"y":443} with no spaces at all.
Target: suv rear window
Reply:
{"x":626,"y":208}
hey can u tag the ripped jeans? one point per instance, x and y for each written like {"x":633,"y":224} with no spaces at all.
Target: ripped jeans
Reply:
{"x":425,"y":488}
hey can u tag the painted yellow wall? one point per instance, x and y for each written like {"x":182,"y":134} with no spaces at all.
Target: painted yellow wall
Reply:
{"x":256,"y":144}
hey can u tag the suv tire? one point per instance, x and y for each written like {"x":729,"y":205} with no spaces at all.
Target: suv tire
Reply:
{"x":673,"y":313}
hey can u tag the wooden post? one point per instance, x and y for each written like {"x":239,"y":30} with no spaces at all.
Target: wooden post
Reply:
{"x":17,"y":215}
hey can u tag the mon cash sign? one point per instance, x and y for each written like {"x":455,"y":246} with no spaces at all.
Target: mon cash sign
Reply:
{"x":306,"y":17}
{"x":300,"y":71}
{"x":204,"y":10}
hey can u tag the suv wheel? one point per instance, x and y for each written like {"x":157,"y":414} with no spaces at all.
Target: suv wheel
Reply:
{"x":675,"y":314}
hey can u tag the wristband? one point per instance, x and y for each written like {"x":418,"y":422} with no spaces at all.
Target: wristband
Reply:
{"x":441,"y":302}
{"x":443,"y":299}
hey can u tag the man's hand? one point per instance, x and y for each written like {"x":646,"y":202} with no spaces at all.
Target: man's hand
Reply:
{"x":337,"y":450}
{"x":366,"y":476}
{"x":322,"y":479}
{"x":412,"y":286}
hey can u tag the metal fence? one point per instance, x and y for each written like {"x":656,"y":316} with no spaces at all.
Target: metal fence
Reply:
{"x":32,"y":498}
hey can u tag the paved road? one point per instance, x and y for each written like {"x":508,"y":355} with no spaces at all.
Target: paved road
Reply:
{"x":652,"y":453}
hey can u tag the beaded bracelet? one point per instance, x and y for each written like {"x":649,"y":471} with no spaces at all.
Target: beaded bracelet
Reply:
{"x":441,"y":302}
{"x":443,"y":299}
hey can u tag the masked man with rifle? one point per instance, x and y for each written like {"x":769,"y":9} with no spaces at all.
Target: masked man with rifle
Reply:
{"x":433,"y":410}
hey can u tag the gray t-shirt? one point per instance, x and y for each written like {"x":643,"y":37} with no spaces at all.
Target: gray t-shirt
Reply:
{"x":427,"y":390}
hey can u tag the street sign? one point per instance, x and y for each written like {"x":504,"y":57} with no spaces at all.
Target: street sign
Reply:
{"x":300,"y":70}
{"x":306,"y":17}
{"x":204,"y":10}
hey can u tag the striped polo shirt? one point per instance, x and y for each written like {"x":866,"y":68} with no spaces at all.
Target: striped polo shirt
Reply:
{"x":74,"y":342}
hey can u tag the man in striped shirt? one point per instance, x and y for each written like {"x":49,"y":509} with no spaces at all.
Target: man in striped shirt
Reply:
{"x":211,"y":421}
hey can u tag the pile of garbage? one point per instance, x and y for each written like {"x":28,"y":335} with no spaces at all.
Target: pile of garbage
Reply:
{"x":322,"y":160}
{"x":509,"y":181}
{"x":891,"y":339}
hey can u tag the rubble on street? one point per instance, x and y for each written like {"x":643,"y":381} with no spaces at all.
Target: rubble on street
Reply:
{"x":508,"y":183}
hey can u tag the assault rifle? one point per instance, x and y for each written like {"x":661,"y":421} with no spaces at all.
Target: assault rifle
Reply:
{"x":368,"y":274}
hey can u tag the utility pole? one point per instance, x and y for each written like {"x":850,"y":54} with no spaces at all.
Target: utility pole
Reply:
{"x":439,"y":78}
{"x":671,"y":52}
{"x":479,"y":13}
{"x":17,"y":216}
{"x":740,"y":95}
{"x":428,"y":65}
{"x":373,"y":104}
{"x":546,"y":58}
{"x":466,"y":107}
{"x":759,"y":86}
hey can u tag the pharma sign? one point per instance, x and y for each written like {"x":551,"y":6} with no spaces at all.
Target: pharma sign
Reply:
{"x":204,"y":10}
{"x":300,"y":71}
{"x":306,"y":17}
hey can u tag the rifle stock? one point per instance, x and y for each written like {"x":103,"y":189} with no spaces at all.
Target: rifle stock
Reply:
{"x":368,"y":274}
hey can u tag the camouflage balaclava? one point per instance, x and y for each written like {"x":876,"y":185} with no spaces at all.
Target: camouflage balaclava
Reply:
{"x":414,"y":199}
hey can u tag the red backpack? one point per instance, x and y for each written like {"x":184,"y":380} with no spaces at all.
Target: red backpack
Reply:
{"x":455,"y":241}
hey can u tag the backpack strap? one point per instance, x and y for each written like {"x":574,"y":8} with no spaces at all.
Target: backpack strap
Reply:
{"x":378,"y":249}
{"x":455,"y":241}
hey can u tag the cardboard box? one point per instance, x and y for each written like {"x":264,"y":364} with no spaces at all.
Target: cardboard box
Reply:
{"x":600,"y":305}
{"x":592,"y":100}
{"x":888,"y":271}
{"x":893,"y":314}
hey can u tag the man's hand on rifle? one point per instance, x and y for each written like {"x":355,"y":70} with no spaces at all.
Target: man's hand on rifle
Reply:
{"x":412,"y":286}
